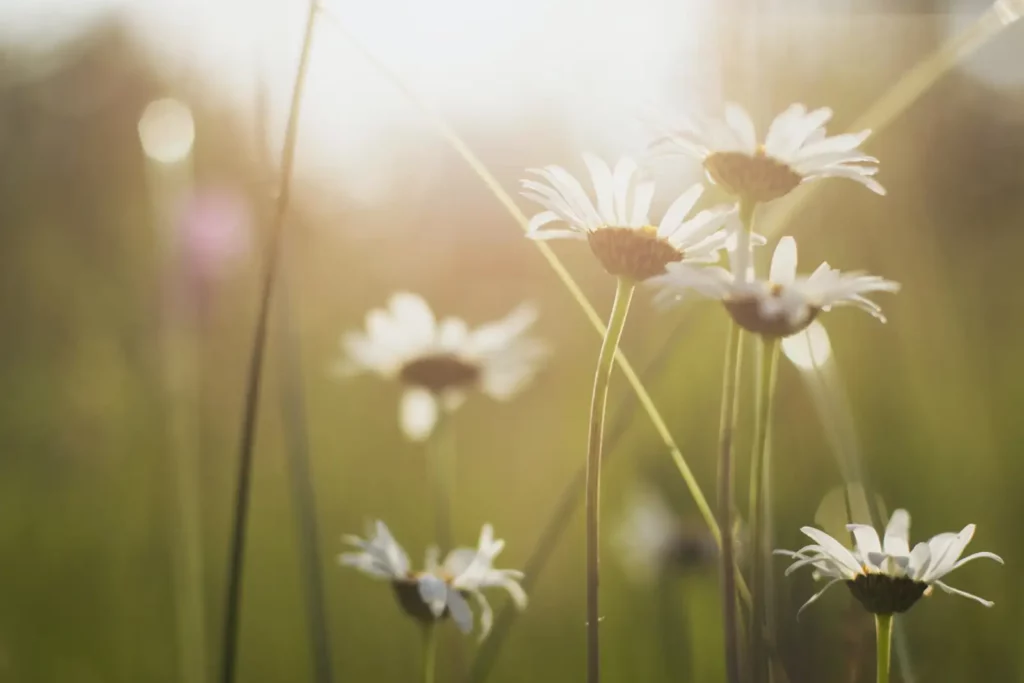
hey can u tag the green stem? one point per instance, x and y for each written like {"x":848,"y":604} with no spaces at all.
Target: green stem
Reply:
{"x":883,"y":640}
{"x":599,"y":401}
{"x":759,"y":508}
{"x":442,"y":461}
{"x":727,"y":428}
{"x":429,"y":653}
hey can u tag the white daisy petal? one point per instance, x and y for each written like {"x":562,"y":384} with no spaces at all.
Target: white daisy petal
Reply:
{"x":740,"y":122}
{"x":642,"y":195}
{"x":866,"y":537}
{"x":956,"y":591}
{"x":978,"y":556}
{"x":621,"y":177}
{"x":418,"y":413}
{"x":545,"y":235}
{"x":783,"y":269}
{"x":897,"y":534}
{"x":679,"y":210}
{"x":434,"y":592}
{"x":814,"y":598}
{"x":459,"y":609}
{"x":604,"y":187}
{"x":833,"y":547}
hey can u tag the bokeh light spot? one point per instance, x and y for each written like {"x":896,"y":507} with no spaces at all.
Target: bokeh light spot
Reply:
{"x":167,"y":131}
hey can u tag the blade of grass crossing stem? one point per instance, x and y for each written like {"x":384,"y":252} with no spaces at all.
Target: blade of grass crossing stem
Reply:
{"x":255,"y":374}
{"x":563,"y":274}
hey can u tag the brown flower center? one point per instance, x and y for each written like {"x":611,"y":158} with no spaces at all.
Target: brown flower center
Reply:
{"x":634,"y":253}
{"x":758,"y":178}
{"x":407,"y":592}
{"x":439,"y":372}
{"x":882,"y":594}
{"x":746,"y":311}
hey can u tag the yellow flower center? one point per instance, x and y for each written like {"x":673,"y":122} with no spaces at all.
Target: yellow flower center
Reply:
{"x":634,"y":253}
{"x":758,"y":178}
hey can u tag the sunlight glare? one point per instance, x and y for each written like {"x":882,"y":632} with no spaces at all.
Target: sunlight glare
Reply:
{"x":808,"y":349}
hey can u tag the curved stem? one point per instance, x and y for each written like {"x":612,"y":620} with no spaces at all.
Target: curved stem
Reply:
{"x":727,"y":429}
{"x":759,"y":509}
{"x":883,"y":640}
{"x":252,"y":394}
{"x":429,"y":653}
{"x":598,"y":404}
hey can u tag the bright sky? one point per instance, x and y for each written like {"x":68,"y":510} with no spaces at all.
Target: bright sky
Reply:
{"x":596,"y":63}
{"x":600,"y":65}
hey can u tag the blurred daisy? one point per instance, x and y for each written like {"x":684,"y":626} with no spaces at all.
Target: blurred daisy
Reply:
{"x":794,"y":151}
{"x":652,"y":540}
{"x":439,"y":362}
{"x":618,"y":227}
{"x":886,"y":576}
{"x":785,"y":303}
{"x":441,"y":590}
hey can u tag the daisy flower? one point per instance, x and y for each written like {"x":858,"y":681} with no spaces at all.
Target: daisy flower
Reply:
{"x":618,"y":226}
{"x":439,"y":362}
{"x":785,"y":303}
{"x":441,"y":590}
{"x":653,"y":540}
{"x":886,"y":576}
{"x":795,"y":150}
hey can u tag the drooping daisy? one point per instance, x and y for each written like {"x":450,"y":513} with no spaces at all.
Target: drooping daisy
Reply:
{"x":441,"y":590}
{"x":785,"y":303}
{"x":618,"y":227}
{"x":652,"y":539}
{"x":794,"y":151}
{"x":886,"y":576}
{"x":439,"y":362}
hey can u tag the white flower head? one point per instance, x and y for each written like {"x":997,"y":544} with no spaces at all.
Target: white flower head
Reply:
{"x":618,"y":226}
{"x":440,"y":361}
{"x":441,"y":590}
{"x":652,"y":539}
{"x":785,"y":303}
{"x":795,"y":150}
{"x":886,"y":576}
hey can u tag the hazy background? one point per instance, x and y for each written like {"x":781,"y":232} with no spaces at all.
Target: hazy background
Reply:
{"x":128,"y":302}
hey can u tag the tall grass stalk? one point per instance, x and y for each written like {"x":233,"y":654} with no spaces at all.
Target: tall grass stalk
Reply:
{"x":761,"y":621}
{"x":250,"y":412}
{"x":293,"y":417}
{"x":595,"y":439}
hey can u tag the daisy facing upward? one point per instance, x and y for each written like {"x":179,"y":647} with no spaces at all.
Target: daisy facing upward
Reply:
{"x":617,"y":224}
{"x":795,"y":150}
